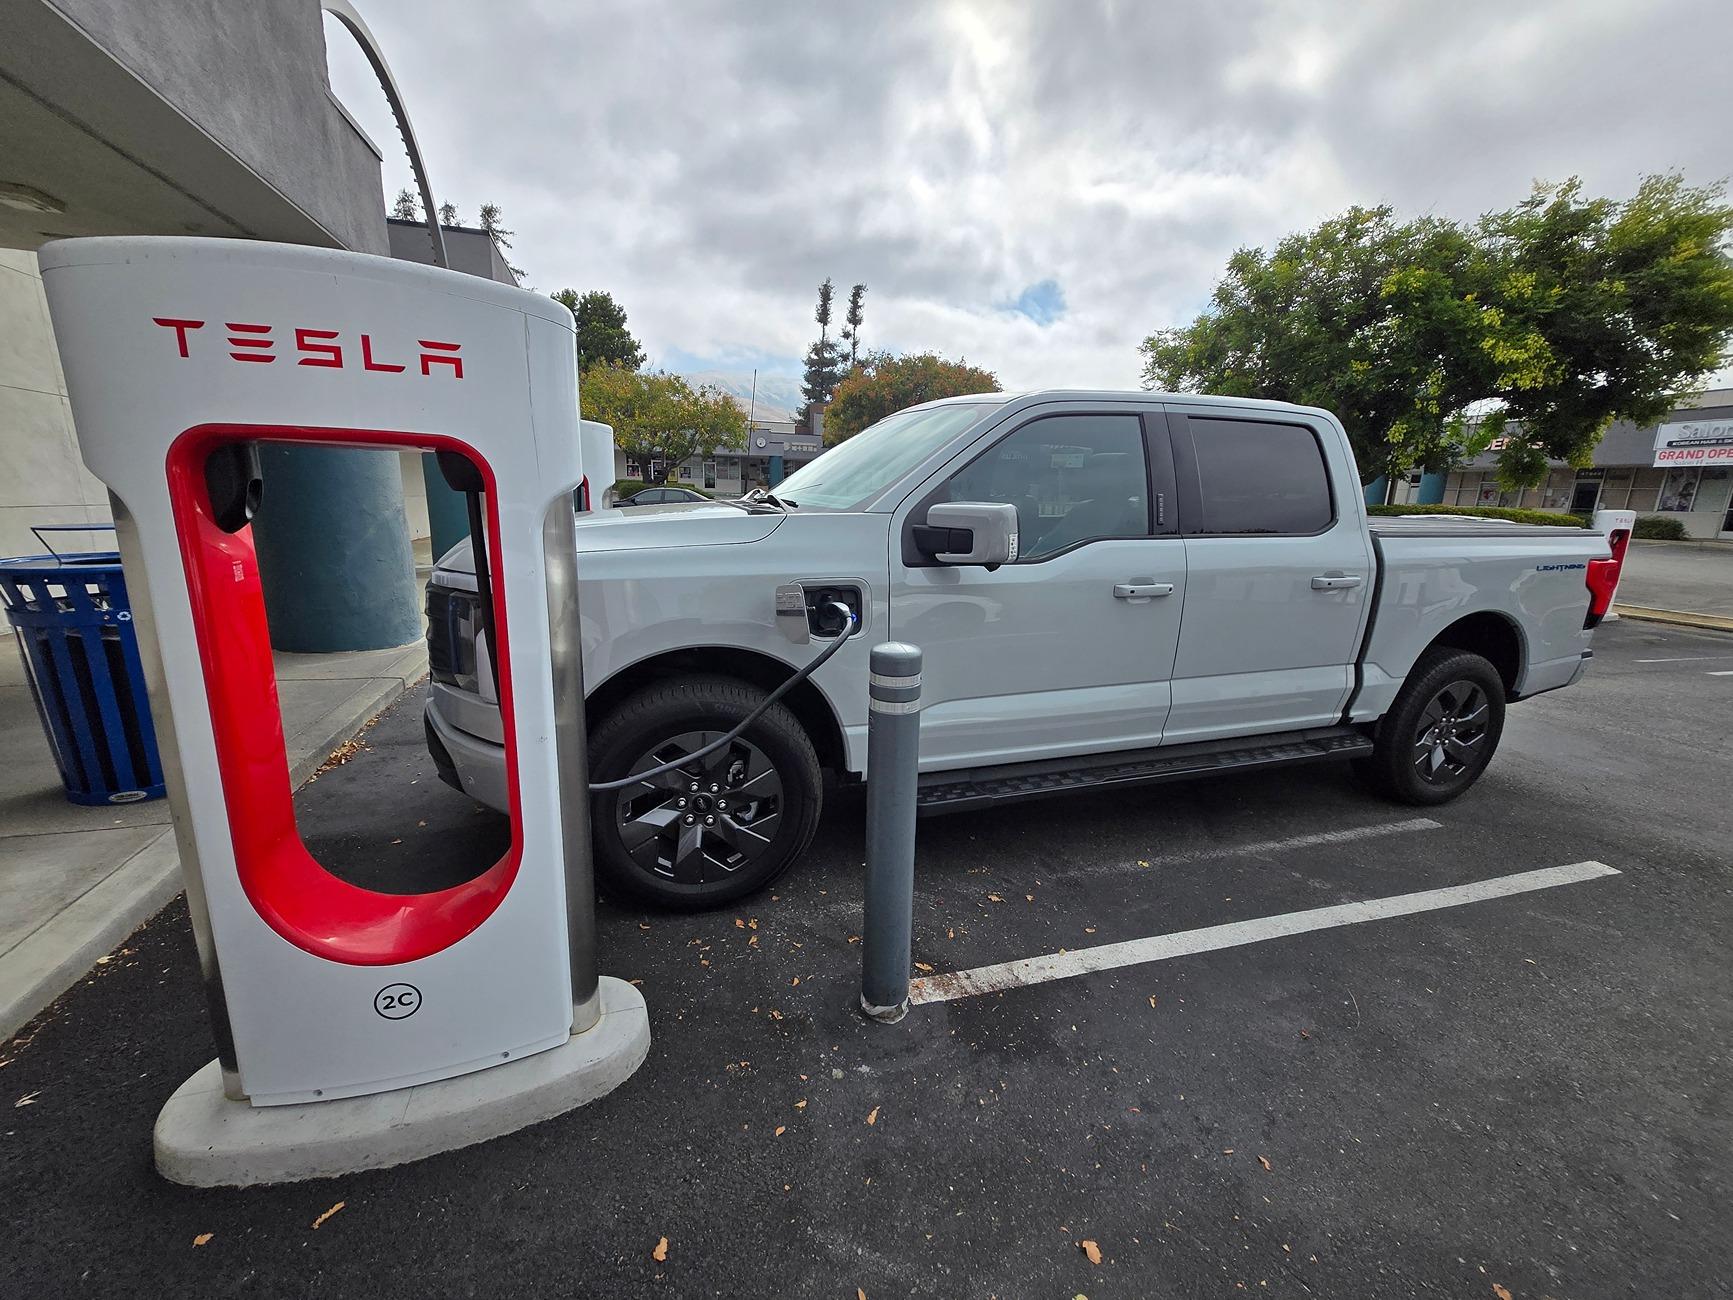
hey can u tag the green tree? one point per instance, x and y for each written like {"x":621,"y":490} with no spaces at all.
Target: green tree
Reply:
{"x":448,"y":214}
{"x":1558,"y":315}
{"x":659,"y":419}
{"x":1628,"y":306}
{"x":603,"y":338}
{"x":884,"y":384}
{"x":823,"y":358}
{"x":405,"y":207}
{"x":494,"y":224}
{"x":851,"y":330}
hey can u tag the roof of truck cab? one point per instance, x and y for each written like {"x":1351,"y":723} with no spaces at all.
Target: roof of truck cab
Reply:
{"x":1034,"y":396}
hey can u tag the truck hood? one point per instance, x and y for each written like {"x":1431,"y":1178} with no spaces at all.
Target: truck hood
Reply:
{"x":639,"y":528}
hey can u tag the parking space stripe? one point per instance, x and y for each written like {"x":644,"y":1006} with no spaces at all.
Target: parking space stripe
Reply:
{"x":1346,"y":836}
{"x":1135,"y":952}
{"x":1723,"y":673}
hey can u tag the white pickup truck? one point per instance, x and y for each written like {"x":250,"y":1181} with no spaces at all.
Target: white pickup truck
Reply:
{"x":1109,"y":589}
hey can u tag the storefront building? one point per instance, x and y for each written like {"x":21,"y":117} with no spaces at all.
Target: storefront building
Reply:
{"x":1680,"y":469}
{"x":774,"y":449}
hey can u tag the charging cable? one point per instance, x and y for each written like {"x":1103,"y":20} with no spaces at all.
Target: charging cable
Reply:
{"x":850,"y":626}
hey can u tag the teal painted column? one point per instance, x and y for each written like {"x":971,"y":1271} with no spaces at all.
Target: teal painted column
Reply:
{"x":1431,"y":489}
{"x":775,"y":472}
{"x":333,"y":546}
{"x":447,"y":512}
{"x":1376,"y":489}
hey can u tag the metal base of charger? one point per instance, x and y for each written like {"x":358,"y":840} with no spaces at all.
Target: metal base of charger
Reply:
{"x":204,"y":1139}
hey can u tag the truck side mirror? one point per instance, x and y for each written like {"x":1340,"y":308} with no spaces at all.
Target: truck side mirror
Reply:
{"x":969,"y":532}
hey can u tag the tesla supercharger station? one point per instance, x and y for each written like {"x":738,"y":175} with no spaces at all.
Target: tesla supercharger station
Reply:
{"x":181,"y":355}
{"x":1617,"y":526}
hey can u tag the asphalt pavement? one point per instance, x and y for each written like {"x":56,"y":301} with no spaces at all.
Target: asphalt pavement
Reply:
{"x":1525,"y":1096}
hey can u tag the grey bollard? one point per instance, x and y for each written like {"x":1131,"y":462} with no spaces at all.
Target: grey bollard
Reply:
{"x":893,"y":749}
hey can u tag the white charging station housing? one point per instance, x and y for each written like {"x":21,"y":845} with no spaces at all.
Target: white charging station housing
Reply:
{"x":175,"y":349}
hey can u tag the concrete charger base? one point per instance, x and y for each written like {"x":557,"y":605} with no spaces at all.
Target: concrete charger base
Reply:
{"x":204,"y":1139}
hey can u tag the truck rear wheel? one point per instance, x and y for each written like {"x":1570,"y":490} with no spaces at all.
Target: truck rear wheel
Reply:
{"x":1440,"y":732}
{"x":713,"y":830}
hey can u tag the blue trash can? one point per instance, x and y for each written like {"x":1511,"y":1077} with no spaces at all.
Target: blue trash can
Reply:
{"x":74,"y":627}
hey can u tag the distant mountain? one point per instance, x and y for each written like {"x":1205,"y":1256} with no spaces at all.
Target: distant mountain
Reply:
{"x":778,"y":395}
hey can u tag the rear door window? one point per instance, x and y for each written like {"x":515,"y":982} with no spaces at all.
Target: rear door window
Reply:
{"x":1258,"y":477}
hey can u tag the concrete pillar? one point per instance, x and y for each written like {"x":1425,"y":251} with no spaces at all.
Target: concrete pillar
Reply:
{"x":334,"y":553}
{"x":1376,"y":490}
{"x":1431,"y":489}
{"x":775,"y":472}
{"x":447,"y":512}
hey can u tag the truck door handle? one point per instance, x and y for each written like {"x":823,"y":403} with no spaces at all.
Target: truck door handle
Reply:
{"x":1332,"y":581}
{"x":1141,"y":590}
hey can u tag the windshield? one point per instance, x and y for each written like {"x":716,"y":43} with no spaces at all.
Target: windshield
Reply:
{"x":853,"y":472}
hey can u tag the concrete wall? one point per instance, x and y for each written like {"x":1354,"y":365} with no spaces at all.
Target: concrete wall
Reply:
{"x":42,"y":478}
{"x":414,"y":493}
{"x":253,"y":77}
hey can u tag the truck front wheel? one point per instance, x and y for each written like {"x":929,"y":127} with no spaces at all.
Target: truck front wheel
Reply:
{"x":1440,"y":732}
{"x":712,"y":830}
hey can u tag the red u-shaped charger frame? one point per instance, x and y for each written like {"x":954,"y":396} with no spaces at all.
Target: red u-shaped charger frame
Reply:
{"x":296,"y":896}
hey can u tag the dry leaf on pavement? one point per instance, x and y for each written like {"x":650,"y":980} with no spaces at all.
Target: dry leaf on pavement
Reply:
{"x":203,"y":1239}
{"x":1502,"y":1292}
{"x":1090,"y":1249}
{"x":873,"y":1118}
{"x":1265,"y":1162}
{"x":780,"y":1130}
{"x":328,"y":1213}
{"x":661,"y":1252}
{"x":921,"y":965}
{"x":28,"y":1099}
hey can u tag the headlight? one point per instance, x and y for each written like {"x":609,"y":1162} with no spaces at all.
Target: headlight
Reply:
{"x":452,"y":619}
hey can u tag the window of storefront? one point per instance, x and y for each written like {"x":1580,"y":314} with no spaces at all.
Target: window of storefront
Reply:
{"x":1586,"y":492}
{"x":709,"y":473}
{"x":686,"y":472}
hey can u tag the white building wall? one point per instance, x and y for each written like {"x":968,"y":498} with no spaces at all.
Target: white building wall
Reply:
{"x":42,"y":478}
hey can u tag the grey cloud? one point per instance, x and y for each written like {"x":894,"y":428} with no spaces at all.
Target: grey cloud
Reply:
{"x":710,"y":163}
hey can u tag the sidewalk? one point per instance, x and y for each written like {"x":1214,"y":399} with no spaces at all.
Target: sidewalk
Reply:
{"x":1690,"y":580}
{"x":75,"y":881}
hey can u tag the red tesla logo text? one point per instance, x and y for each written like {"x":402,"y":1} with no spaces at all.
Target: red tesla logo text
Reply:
{"x":249,"y":341}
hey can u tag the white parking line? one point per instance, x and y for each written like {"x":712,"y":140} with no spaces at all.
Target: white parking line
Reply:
{"x":1135,"y":952}
{"x":1725,"y":673}
{"x":1685,"y":659}
{"x":1347,"y":836}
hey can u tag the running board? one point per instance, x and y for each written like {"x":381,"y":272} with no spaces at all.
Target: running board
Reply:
{"x":981,"y":787}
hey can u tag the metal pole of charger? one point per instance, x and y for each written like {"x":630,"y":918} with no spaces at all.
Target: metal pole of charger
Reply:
{"x":893,"y":748}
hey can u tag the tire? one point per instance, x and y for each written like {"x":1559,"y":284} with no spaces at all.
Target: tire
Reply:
{"x":762,"y":796}
{"x":1440,"y":732}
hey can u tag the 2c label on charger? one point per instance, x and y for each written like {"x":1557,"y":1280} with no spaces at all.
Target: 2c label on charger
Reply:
{"x":397,"y":1001}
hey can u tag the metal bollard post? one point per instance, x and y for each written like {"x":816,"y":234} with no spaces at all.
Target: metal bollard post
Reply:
{"x":893,"y":748}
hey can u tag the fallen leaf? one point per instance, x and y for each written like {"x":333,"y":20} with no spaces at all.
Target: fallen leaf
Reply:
{"x":994,"y":898}
{"x":203,"y":1239}
{"x":1502,"y":1292}
{"x":859,"y":1294}
{"x":1091,"y":1251}
{"x":1142,"y":863}
{"x":780,"y":1130}
{"x":752,"y":942}
{"x":1029,"y":898}
{"x":328,"y":1213}
{"x":854,"y":938}
{"x":950,"y":933}
{"x":921,"y":965}
{"x":28,"y":1099}
{"x":661,"y":1251}
{"x":873,"y":1117}
{"x":752,"y":924}
{"x":1152,"y":999}
{"x":1304,"y":1034}
{"x":1089,"y":929}
{"x":1265,"y":1162}
{"x":801,"y":1104}
{"x":1227,"y":1151}
{"x":738,"y":925}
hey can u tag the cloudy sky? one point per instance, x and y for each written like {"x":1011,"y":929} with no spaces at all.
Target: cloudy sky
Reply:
{"x":1032,"y":186}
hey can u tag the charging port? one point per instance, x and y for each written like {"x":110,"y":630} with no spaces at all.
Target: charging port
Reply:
{"x":821,"y":620}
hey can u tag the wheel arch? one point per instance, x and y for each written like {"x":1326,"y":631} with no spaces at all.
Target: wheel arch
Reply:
{"x":1494,"y":637}
{"x":808,"y":704}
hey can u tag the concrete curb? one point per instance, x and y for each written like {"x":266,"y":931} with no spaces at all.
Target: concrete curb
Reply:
{"x":1677,"y":617}
{"x":204,"y":1139}
{"x":47,"y":963}
{"x":52,"y":960}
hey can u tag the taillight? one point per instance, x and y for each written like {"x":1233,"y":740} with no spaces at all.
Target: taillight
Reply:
{"x":1602,"y":579}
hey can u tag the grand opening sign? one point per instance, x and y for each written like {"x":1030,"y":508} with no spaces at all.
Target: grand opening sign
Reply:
{"x":1695,"y":442}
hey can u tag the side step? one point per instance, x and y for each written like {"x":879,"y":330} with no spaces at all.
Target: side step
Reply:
{"x":981,"y":787}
